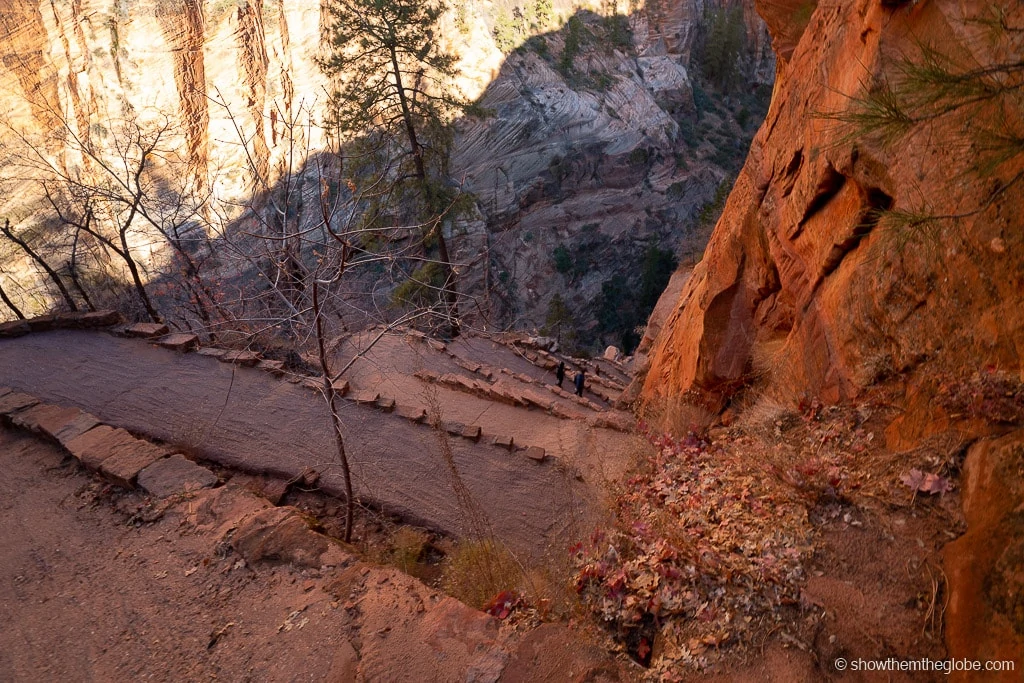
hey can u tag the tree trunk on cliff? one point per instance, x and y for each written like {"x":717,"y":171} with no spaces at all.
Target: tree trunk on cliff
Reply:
{"x":32,"y":254}
{"x":393,"y":83}
{"x":10,"y":304}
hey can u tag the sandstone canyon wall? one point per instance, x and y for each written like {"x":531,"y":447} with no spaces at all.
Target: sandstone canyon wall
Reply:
{"x":844,"y":256}
{"x":593,"y":155}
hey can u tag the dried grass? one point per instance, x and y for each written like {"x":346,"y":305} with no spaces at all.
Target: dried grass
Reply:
{"x":478,"y":570}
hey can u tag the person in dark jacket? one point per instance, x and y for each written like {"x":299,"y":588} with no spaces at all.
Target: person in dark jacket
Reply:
{"x":578,"y":381}
{"x":560,"y":373}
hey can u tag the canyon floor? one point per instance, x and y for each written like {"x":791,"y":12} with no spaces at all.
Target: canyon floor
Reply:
{"x":103,"y":583}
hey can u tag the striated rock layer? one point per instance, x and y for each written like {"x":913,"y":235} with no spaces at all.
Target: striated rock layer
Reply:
{"x":607,"y":155}
{"x":802,"y":280}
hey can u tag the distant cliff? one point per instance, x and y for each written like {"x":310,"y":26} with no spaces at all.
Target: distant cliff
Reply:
{"x":597,"y":156}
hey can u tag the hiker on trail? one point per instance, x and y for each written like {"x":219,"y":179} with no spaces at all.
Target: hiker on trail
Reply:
{"x":578,"y":381}
{"x":560,"y":373}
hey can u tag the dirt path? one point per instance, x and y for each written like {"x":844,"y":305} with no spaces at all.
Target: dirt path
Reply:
{"x":246,"y":419}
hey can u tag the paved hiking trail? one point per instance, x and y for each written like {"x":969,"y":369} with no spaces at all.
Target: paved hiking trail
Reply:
{"x":389,"y":366}
{"x":246,"y":419}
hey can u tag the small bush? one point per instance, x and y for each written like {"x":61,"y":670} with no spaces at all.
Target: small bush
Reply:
{"x":479,"y":570}
{"x":639,"y":156}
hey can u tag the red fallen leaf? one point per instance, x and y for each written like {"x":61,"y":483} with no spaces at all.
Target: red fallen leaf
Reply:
{"x":502,"y":604}
{"x":933,"y":484}
{"x":643,"y":649}
{"x":925,"y":482}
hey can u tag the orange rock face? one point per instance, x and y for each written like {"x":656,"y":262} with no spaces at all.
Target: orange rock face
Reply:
{"x":808,"y":272}
{"x":985,"y":616}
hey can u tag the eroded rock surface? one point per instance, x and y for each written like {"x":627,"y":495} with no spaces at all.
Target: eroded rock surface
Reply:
{"x":985,"y":566}
{"x":801,"y":274}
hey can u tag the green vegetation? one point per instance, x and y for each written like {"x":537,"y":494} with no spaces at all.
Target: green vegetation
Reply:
{"x":513,"y":26}
{"x":506,"y":32}
{"x":724,"y":44}
{"x":394,"y":98}
{"x":623,"y":307}
{"x":574,"y":35}
{"x":420,"y":289}
{"x":639,"y":156}
{"x":710,"y":212}
{"x":584,"y":257}
{"x":560,"y":324}
{"x":563,"y":259}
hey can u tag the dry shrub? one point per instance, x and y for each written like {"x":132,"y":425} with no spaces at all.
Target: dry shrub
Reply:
{"x":407,"y":546}
{"x":479,"y":570}
{"x":766,"y":415}
{"x":764,"y":357}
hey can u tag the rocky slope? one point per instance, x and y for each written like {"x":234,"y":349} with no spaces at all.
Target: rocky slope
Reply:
{"x":605,"y":153}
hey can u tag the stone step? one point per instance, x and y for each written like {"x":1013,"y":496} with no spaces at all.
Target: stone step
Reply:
{"x":175,"y":475}
{"x":146,"y":330}
{"x":181,"y":341}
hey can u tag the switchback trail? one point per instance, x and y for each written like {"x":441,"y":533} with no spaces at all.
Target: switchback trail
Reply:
{"x":246,"y":419}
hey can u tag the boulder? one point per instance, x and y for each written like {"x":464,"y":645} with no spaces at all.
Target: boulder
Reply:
{"x":89,"y":319}
{"x":245,"y":358}
{"x":279,"y":534}
{"x":98,"y":319}
{"x":365,"y":397}
{"x":15,"y":328}
{"x":98,"y":444}
{"x":75,"y":428}
{"x":274,"y":367}
{"x":123,"y":465}
{"x":411,"y":412}
{"x":43,"y":323}
{"x":46,"y":419}
{"x":536,"y":453}
{"x":15,"y":401}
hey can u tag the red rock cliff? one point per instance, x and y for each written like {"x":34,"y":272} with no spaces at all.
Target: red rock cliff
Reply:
{"x":800,"y":273}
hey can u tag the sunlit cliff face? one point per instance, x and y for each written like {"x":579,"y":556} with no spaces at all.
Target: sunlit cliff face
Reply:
{"x":233,"y":94}
{"x":809,"y":278}
{"x":231,"y":74}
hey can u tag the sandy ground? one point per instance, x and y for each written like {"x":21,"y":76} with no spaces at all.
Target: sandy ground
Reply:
{"x":86,"y":596}
{"x":97,"y":584}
